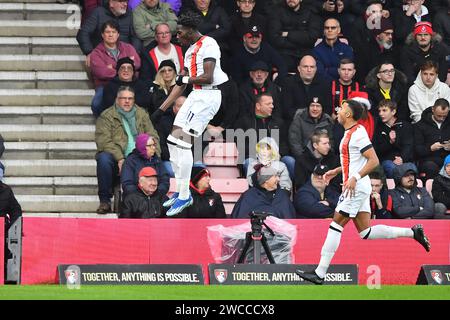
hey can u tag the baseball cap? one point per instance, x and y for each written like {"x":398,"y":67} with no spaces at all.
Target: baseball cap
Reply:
{"x":259,"y":65}
{"x":253,"y":31}
{"x":147,"y":172}
{"x":320,"y":169}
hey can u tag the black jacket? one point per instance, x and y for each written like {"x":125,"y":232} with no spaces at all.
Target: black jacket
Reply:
{"x":257,"y":199}
{"x":413,"y":57}
{"x":240,"y":25}
{"x":138,"y":205}
{"x":207,"y":205}
{"x":248,"y":93}
{"x":386,"y":201}
{"x":269,"y":127}
{"x":90,"y":35}
{"x":403,"y":145}
{"x":297,"y":95}
{"x":303,"y":27}
{"x":229,"y":107}
{"x":243,"y":60}
{"x":306,"y":202}
{"x":9,"y":207}
{"x":141,"y":89}
{"x":441,"y":190}
{"x":163,"y":122}
{"x":304,"y":166}
{"x":398,"y":93}
{"x":404,"y":25}
{"x":426,"y":132}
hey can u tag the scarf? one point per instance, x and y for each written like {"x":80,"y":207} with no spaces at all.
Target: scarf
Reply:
{"x":129,"y":122}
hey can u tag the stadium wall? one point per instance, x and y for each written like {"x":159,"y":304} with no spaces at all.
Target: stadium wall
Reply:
{"x":48,"y":242}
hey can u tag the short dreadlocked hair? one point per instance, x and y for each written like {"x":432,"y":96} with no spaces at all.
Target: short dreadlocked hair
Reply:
{"x":190,"y":19}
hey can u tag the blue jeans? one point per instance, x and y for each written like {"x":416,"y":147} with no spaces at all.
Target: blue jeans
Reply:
{"x":168,"y":166}
{"x":388,"y":167}
{"x":289,"y":161}
{"x":107,"y":175}
{"x":96,"y":104}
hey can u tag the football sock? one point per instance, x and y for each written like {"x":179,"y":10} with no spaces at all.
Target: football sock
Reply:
{"x":386,"y":232}
{"x":182,"y":161}
{"x":329,"y":248}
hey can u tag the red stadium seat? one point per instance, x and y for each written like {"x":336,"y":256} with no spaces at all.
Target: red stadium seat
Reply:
{"x":221,"y":154}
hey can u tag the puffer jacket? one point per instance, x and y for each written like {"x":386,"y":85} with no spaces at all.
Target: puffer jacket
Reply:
{"x":110,"y":134}
{"x":138,"y":205}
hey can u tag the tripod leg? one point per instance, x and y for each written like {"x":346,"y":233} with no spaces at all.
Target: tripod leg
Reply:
{"x":267,"y":249}
{"x":248,"y":239}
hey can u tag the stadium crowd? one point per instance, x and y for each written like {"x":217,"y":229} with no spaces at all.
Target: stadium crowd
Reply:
{"x":291,"y":64}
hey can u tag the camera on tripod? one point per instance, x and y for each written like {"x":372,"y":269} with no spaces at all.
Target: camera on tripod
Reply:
{"x":257,"y":221}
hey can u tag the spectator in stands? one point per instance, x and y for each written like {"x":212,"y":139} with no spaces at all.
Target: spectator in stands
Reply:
{"x":410,"y":201}
{"x":380,"y":199}
{"x":251,"y":50}
{"x":162,"y":85}
{"x":426,"y":90}
{"x":441,"y":25}
{"x":441,"y":184}
{"x":371,"y":40}
{"x":103,"y":60}
{"x":423,"y":45}
{"x":125,"y":77}
{"x":316,"y":199}
{"x":261,"y":123}
{"x":387,"y":82}
{"x":148,"y":15}
{"x":207,"y":203}
{"x":10,"y":209}
{"x":90,"y":33}
{"x":115,"y":134}
{"x":393,"y":140}
{"x":163,"y":123}
{"x":266,"y":196}
{"x":405,"y":18}
{"x":146,"y":202}
{"x":305,"y":122}
{"x":244,"y":19}
{"x":267,"y":154}
{"x":144,"y":155}
{"x":293,"y":30}
{"x":215,"y":23}
{"x":336,"y":9}
{"x":299,"y":90}
{"x":160,"y":50}
{"x":331,"y":50}
{"x":317,"y":151}
{"x":258,"y":83}
{"x":432,"y":138}
{"x":341,"y":88}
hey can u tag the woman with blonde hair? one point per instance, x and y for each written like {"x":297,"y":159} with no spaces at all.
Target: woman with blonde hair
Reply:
{"x":162,"y":85}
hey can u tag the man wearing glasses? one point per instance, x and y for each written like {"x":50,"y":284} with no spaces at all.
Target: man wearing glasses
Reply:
{"x":115,"y":135}
{"x":148,"y":15}
{"x":387,"y":82}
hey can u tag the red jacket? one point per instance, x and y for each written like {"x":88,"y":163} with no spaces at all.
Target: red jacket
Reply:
{"x":101,"y":58}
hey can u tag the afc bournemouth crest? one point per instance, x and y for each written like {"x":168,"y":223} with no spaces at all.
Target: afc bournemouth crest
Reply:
{"x":221,"y":275}
{"x":437,"y":276}
{"x":72,"y":276}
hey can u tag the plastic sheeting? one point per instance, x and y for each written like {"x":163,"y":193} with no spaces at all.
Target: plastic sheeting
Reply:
{"x":227,"y":243}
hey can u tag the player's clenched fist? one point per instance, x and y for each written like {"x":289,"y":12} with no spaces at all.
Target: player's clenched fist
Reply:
{"x":181,"y":80}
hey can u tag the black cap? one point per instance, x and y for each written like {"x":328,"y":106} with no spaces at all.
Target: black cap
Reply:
{"x":320,"y":169}
{"x":259,"y":65}
{"x":122,"y":61}
{"x":167,"y":63}
{"x":253,"y":31}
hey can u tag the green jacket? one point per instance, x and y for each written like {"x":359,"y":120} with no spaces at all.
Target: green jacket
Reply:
{"x":110,"y":135}
{"x":142,"y":16}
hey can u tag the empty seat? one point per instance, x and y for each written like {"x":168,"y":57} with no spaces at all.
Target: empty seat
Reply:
{"x":221,"y":154}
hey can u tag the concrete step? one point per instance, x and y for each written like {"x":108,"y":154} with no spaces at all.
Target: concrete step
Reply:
{"x":44,"y":132}
{"x":36,"y":62}
{"x":49,"y":150}
{"x":46,"y":115}
{"x":50,"y":168}
{"x":37,"y":11}
{"x":45,"y":97}
{"x":58,"y":203}
{"x":53,"y":185}
{"x":81,"y":215}
{"x":39,"y":28}
{"x":39,"y":45}
{"x":44,"y":80}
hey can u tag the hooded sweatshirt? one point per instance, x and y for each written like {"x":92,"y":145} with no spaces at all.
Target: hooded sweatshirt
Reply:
{"x":420,"y":97}
{"x":441,"y":185}
{"x":272,"y":161}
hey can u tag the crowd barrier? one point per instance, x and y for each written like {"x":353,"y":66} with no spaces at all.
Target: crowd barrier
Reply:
{"x":48,"y":242}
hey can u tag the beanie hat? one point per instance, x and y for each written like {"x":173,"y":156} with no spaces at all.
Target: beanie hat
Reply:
{"x":385,"y":24}
{"x":447,"y":161}
{"x":361,"y":97}
{"x":122,"y":61}
{"x":147,"y":172}
{"x":141,"y":144}
{"x":197,"y":173}
{"x":423,"y":27}
{"x":263,"y":173}
{"x":167,"y":63}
